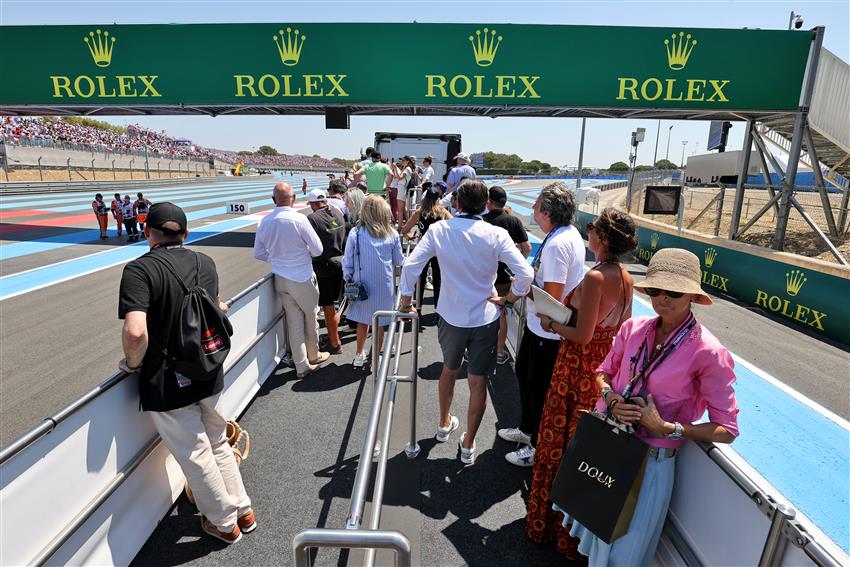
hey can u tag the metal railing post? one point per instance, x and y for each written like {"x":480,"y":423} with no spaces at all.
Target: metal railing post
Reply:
{"x":68,"y":165}
{"x":412,"y":448}
{"x":131,"y":168}
{"x":774,"y":545}
{"x":40,"y":175}
{"x":92,"y":171}
{"x":114,"y":177}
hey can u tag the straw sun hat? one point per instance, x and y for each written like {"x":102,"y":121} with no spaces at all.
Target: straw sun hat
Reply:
{"x":674,"y":269}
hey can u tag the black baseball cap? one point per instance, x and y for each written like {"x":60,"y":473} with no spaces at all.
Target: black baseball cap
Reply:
{"x":162,"y":213}
{"x":498,"y":195}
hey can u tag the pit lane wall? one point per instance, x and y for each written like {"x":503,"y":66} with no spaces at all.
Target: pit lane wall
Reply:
{"x":806,"y":293}
{"x":104,"y":463}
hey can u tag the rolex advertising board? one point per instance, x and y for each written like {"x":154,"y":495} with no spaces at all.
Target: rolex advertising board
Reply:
{"x":445,"y":64}
{"x":812,"y":300}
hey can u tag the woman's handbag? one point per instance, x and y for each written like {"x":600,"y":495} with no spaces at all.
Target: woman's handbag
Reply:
{"x":239,"y":441}
{"x":356,"y":290}
{"x":600,"y":476}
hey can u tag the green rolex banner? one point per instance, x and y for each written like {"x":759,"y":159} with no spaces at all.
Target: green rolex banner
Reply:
{"x":814,"y":301}
{"x":421,"y":64}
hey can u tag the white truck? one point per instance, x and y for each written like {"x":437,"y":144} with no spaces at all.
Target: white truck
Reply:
{"x":442,"y":147}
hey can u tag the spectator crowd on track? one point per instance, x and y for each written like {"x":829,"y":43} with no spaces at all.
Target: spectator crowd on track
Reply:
{"x":135,"y":139}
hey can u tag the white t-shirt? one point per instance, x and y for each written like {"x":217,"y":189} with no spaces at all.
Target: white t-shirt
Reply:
{"x":427,"y":173}
{"x":407,"y":173}
{"x":561,"y":261}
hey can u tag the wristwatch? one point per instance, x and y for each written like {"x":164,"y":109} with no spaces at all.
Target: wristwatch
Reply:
{"x":678,"y":431}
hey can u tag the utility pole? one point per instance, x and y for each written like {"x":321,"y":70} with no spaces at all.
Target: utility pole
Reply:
{"x":684,"y":144}
{"x":657,"y":134}
{"x":580,"y":153}
{"x":669,"y":134}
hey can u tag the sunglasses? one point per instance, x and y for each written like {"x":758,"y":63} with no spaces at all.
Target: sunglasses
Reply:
{"x":655,"y":292}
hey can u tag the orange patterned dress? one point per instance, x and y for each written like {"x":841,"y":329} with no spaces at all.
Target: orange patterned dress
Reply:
{"x":571,"y":390}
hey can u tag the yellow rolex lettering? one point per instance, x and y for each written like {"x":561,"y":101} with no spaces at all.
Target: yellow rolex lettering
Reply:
{"x":269,"y":86}
{"x":654,"y":84}
{"x":761,"y":298}
{"x":101,"y":88}
{"x":90,"y":84}
{"x":63,"y":83}
{"x":312,"y":82}
{"x":817,"y":318}
{"x":627,"y":84}
{"x":436,"y":82}
{"x":669,"y":94}
{"x":148,"y":81}
{"x":505,"y":86}
{"x":453,"y":86}
{"x":126,"y":85}
{"x":287,"y":91}
{"x":801,"y":314}
{"x":244,"y":82}
{"x":718,"y":90}
{"x":528,"y":86}
{"x":479,"y":88}
{"x":336,"y":85}
{"x":695,"y":87}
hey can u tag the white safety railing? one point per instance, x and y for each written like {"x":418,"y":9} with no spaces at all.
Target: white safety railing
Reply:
{"x":90,"y":484}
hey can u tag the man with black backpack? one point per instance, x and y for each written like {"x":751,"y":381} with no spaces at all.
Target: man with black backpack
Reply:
{"x":176,"y":336}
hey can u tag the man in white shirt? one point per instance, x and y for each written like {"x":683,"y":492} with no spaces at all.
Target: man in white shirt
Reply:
{"x":469,"y":251}
{"x":427,"y":170}
{"x":559,"y":267}
{"x":286,"y":240}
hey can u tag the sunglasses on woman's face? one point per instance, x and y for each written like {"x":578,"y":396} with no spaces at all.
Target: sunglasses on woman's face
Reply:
{"x":655,"y":292}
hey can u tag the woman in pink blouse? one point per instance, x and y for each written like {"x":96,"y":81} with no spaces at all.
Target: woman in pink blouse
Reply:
{"x":686,"y":371}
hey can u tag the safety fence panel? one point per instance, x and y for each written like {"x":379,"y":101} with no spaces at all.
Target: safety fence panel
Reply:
{"x":93,"y":489}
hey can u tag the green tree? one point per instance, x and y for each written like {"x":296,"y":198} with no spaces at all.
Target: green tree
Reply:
{"x":267,"y":151}
{"x":644,"y":168}
{"x":665,"y":164}
{"x":346,"y":163}
{"x":244,"y":153}
{"x":619,"y":166}
{"x":92,"y":123}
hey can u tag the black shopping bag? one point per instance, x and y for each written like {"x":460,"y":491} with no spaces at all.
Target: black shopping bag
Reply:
{"x":600,"y":476}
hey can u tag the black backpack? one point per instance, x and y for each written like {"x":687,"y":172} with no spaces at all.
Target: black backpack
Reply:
{"x":200,"y":338}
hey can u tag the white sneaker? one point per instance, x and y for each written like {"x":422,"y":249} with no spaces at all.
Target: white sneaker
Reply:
{"x":360,"y":360}
{"x":514,"y":435}
{"x":443,"y":433}
{"x":467,"y":456}
{"x":522,"y":457}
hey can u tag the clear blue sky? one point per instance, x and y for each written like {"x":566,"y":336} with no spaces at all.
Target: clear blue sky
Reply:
{"x":554,"y":140}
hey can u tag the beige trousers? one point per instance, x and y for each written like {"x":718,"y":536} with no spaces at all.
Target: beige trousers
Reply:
{"x":197,"y":437}
{"x":301,"y":302}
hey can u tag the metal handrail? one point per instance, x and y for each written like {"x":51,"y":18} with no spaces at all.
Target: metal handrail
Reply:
{"x":50,"y":423}
{"x":319,"y":537}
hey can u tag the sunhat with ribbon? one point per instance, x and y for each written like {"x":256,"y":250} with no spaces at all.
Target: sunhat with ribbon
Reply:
{"x":675,"y":269}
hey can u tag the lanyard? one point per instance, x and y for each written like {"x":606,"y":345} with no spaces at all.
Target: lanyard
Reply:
{"x":535,"y":263}
{"x":655,"y":361}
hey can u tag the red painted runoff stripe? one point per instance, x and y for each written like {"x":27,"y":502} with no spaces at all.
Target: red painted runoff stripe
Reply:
{"x":24,"y":213}
{"x":72,"y":220}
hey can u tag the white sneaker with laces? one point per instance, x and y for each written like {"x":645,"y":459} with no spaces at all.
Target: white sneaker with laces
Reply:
{"x":514,"y":435}
{"x":443,"y":433}
{"x":522,"y":457}
{"x":360,"y":360}
{"x":467,"y":456}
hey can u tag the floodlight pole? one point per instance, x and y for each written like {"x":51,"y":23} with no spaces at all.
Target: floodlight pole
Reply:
{"x":682,"y":162}
{"x":669,"y":134}
{"x":657,"y":135}
{"x":580,"y":153}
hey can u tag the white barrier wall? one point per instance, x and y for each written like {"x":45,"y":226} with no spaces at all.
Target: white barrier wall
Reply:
{"x":54,"y":157}
{"x":51,"y":482}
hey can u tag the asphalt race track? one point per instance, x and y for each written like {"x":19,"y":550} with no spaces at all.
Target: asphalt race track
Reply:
{"x":60,"y":334}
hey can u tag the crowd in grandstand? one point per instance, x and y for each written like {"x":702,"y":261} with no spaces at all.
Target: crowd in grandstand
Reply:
{"x":136,"y":139}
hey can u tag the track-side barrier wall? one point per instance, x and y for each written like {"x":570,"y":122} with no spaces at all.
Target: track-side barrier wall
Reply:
{"x":106,"y":187}
{"x":90,"y":484}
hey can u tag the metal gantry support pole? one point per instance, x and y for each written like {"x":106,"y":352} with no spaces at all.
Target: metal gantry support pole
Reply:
{"x":740,"y":186}
{"x":581,"y":154}
{"x":774,"y":546}
{"x":797,"y":140}
{"x":763,"y":154}
{"x":824,"y":196}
